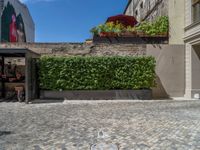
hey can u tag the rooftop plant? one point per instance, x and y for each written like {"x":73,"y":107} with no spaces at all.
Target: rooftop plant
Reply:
{"x":108,"y":27}
{"x":157,"y":27}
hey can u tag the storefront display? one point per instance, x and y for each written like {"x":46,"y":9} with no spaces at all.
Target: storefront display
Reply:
{"x":14,"y":75}
{"x":18,"y":75}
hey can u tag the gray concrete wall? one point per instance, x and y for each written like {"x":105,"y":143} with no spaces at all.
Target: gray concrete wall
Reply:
{"x":170,"y":70}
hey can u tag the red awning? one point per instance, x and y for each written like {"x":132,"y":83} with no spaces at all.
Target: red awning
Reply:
{"x":123,"y":19}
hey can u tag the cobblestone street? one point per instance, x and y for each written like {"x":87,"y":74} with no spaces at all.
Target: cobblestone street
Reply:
{"x":136,"y":125}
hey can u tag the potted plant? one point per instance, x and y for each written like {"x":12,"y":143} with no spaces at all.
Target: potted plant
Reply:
{"x":109,"y":29}
{"x":95,"y":31}
{"x":158,"y":28}
{"x":129,"y":32}
{"x":163,"y":25}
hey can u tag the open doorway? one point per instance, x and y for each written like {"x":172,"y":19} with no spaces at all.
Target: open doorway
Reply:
{"x":196,"y":71}
{"x":18,"y":69}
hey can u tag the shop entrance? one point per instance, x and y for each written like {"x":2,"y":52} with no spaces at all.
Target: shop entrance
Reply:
{"x":195,"y":71}
{"x":12,"y":76}
{"x":18,"y":75}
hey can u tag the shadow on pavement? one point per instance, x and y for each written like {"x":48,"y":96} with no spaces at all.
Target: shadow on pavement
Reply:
{"x":46,"y":101}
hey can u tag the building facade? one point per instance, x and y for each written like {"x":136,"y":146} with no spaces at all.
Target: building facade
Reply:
{"x":149,"y":10}
{"x":16,"y":23}
{"x":192,"y":54}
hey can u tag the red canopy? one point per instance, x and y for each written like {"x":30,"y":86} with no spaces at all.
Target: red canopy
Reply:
{"x":123,"y":19}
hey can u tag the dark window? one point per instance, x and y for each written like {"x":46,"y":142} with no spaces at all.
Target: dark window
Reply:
{"x":142,"y":5}
{"x":136,"y":12}
{"x":196,"y":10}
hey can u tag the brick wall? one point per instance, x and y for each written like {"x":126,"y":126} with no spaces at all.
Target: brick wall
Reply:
{"x":83,"y":49}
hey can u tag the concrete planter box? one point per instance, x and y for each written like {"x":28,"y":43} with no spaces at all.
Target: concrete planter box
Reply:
{"x":98,"y":95}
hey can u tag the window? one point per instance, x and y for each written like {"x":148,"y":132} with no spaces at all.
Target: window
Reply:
{"x":142,"y":5}
{"x":136,"y":12}
{"x":196,"y":10}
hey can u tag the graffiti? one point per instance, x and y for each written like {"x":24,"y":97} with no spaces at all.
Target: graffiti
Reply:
{"x":12,"y":25}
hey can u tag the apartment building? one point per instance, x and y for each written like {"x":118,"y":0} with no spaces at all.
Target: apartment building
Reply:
{"x":192,"y":54}
{"x":146,"y":9}
{"x":149,"y":10}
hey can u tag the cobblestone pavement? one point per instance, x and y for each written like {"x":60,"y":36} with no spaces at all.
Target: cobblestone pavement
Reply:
{"x":149,"y":125}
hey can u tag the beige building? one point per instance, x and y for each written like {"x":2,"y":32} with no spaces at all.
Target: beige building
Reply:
{"x":184,"y":19}
{"x":146,"y":9}
{"x":151,"y":9}
{"x":192,"y":40}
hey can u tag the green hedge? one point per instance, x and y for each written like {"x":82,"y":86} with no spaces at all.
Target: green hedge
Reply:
{"x":96,"y":73}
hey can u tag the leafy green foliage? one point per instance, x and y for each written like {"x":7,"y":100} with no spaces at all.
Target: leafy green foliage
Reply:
{"x":108,"y":27}
{"x":161,"y":25}
{"x":96,"y":73}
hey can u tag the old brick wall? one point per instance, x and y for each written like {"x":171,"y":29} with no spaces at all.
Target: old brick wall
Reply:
{"x":169,"y":66}
{"x":82,"y":49}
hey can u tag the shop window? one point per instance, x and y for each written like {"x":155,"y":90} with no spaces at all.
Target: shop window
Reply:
{"x":196,"y":10}
{"x":14,"y":74}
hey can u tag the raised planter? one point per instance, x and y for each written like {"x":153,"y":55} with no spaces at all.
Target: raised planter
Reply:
{"x":108,"y":34}
{"x":128,"y":34}
{"x":98,"y":95}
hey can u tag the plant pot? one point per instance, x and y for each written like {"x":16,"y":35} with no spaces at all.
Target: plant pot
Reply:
{"x":141,"y":34}
{"x":103,"y":34}
{"x":128,"y":34}
{"x":108,"y":34}
{"x":164,"y":34}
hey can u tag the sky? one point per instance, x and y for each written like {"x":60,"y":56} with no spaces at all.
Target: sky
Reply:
{"x":70,"y":20}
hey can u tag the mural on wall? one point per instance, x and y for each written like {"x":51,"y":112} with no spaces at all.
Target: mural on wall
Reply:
{"x":12,"y":25}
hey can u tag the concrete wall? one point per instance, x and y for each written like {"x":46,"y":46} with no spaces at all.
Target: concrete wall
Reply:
{"x":176,"y":21}
{"x":22,"y":9}
{"x":188,"y":12}
{"x":170,"y":70}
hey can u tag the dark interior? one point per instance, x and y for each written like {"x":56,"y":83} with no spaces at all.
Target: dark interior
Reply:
{"x":12,"y":74}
